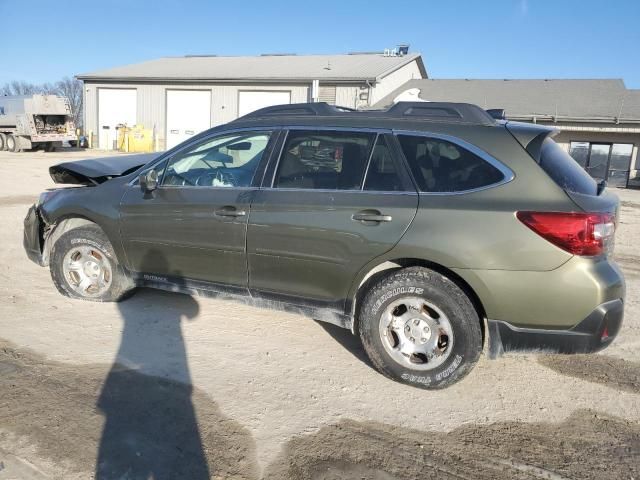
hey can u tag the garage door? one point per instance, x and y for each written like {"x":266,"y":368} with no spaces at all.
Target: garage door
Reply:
{"x":188,"y":113}
{"x":251,"y":101}
{"x":116,"y":106}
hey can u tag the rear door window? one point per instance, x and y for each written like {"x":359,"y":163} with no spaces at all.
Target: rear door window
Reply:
{"x":327,"y":160}
{"x":441,"y":166}
{"x":564,"y":170}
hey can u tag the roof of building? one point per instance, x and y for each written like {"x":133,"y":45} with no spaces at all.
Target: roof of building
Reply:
{"x":349,"y":67}
{"x":560,"y":99}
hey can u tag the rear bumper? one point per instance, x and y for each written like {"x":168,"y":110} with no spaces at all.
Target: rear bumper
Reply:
{"x":593,"y":333}
{"x":33,"y":230}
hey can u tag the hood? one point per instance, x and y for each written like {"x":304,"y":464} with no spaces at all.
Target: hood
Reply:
{"x":94,"y":171}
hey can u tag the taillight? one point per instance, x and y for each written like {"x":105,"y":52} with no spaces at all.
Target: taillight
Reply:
{"x":587,"y":234}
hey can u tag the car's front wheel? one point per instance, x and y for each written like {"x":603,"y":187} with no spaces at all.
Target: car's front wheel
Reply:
{"x":83,"y":265}
{"x":418,"y":327}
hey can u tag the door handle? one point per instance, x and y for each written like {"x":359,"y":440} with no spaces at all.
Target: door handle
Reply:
{"x":229,"y":211}
{"x":371,"y":216}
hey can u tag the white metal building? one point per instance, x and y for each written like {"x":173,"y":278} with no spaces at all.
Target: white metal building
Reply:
{"x":178,"y":97}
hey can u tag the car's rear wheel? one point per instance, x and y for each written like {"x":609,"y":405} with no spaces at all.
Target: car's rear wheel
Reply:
{"x":83,"y":265}
{"x":3,"y":142}
{"x":418,"y":327}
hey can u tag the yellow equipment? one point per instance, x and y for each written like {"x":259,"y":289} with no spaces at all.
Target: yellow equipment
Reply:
{"x":135,"y":139}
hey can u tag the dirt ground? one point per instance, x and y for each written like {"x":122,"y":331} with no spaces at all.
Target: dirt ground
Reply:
{"x":169,"y":386}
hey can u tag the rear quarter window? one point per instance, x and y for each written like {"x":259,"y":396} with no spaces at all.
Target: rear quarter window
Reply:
{"x":564,"y":170}
{"x":440,"y":166}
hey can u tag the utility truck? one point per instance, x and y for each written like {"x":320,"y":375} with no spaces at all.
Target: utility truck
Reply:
{"x":35,"y":121}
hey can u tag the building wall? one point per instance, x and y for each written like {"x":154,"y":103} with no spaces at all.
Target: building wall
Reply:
{"x":349,"y":95}
{"x":151,"y":102}
{"x":394,"y":80}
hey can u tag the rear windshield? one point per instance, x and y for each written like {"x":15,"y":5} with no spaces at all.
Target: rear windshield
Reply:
{"x":565,"y":171}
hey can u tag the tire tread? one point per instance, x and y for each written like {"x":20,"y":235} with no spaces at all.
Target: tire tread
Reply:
{"x":411,"y":276}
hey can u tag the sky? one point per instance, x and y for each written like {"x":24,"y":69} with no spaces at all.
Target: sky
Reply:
{"x":44,"y":41}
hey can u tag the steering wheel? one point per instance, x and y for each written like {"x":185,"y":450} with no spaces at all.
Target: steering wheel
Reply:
{"x":225,"y":178}
{"x":206,"y":179}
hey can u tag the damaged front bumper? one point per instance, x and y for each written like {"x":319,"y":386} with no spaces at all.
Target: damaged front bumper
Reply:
{"x":33,"y":235}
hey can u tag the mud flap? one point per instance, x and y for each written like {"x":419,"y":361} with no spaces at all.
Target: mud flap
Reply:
{"x":32,"y":239}
{"x":496,"y":349}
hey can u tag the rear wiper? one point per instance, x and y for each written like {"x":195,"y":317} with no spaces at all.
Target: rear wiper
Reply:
{"x":602,"y":184}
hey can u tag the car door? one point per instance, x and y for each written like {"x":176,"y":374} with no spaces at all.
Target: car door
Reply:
{"x":318,"y":221}
{"x":193,"y":226}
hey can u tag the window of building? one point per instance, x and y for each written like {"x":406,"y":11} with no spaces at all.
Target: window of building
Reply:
{"x":604,"y":161}
{"x":317,"y":159}
{"x":442,"y":166}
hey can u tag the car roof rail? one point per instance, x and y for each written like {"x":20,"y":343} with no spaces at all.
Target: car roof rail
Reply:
{"x":439,"y":111}
{"x":315,"y":108}
{"x":445,"y":111}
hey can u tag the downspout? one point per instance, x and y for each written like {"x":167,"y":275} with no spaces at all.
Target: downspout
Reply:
{"x":369,"y":93}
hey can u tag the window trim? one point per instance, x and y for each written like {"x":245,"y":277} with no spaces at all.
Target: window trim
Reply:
{"x":285,"y":136}
{"x":508,"y":174}
{"x":406,"y":180}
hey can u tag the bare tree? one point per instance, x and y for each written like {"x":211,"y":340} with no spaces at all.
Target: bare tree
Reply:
{"x":72,"y":89}
{"x":67,"y":87}
{"x":18,"y":87}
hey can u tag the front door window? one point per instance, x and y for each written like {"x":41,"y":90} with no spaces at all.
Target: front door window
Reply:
{"x":227,"y":161}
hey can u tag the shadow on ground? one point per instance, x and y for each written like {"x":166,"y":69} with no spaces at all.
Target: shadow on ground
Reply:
{"x":348,"y":340}
{"x":129,"y":424}
{"x":51,"y":405}
{"x":150,"y":429}
{"x":144,"y":426}
{"x":610,"y":371}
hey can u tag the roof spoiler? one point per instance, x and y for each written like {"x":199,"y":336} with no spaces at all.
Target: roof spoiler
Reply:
{"x":531,"y":136}
{"x":497,"y":113}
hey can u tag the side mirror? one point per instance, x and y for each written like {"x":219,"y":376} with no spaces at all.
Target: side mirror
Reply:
{"x":148,"y":181}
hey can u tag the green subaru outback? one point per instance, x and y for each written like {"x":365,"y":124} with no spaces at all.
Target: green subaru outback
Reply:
{"x":427,"y":229}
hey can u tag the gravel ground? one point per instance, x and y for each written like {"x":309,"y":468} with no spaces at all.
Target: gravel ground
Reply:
{"x":171,"y":386}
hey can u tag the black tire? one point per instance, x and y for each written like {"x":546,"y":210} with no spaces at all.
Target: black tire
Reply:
{"x":91,"y":236}
{"x":437,"y":290}
{"x":3,"y":142}
{"x":12,"y":144}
